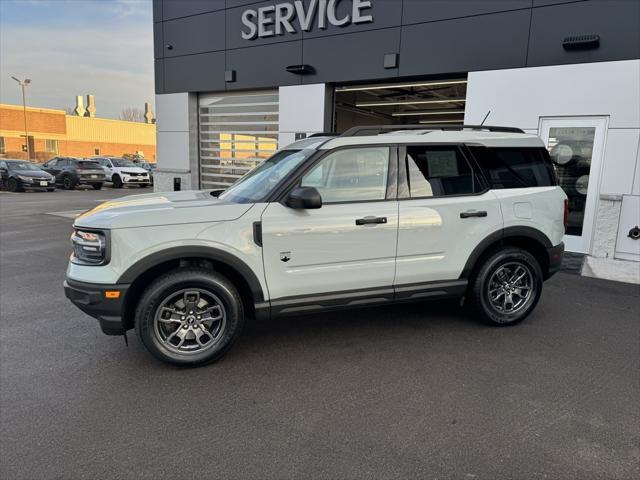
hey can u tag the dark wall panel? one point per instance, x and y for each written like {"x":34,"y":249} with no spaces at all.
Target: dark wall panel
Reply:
{"x":194,"y":73}
{"x":356,"y":56}
{"x":196,"y":34}
{"x":264,"y":66}
{"x":616,"y":21}
{"x":158,"y":68}
{"x":478,"y":43}
{"x":235,"y":27}
{"x":544,"y":3}
{"x":386,"y":13}
{"x":157,"y":10}
{"x":438,"y":37}
{"x":239,"y":3}
{"x":182,"y":8}
{"x":415,"y":11}
{"x":158,"y":41}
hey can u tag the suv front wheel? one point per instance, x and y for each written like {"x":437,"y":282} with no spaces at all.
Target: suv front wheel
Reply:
{"x":506,"y":287}
{"x":189,"y":317}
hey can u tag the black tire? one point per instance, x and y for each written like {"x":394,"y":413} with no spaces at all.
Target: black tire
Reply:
{"x":157,"y":332}
{"x":96,"y":186}
{"x":14,"y":186}
{"x":117,"y":181}
{"x":487,"y":290}
{"x":68,"y":183}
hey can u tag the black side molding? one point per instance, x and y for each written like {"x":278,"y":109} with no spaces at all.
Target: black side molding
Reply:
{"x":367,"y":297}
{"x":257,"y":233}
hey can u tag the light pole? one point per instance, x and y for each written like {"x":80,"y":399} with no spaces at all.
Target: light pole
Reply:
{"x":23,"y":84}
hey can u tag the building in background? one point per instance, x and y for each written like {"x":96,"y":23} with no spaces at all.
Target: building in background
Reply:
{"x":82,"y":134}
{"x":237,"y":79}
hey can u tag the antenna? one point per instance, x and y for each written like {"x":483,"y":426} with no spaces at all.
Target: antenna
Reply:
{"x":485,"y":117}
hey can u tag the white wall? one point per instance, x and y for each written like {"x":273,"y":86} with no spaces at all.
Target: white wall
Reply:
{"x":177,"y":141}
{"x":303,"y":109}
{"x":519,"y":97}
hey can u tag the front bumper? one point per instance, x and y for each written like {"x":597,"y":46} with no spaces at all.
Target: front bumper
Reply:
{"x":556,"y":255}
{"x":135,"y":180}
{"x":91,"y":299}
{"x":36,"y":183}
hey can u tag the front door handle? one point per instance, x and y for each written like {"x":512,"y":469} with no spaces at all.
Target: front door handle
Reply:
{"x":370,"y":220}
{"x":473,"y":213}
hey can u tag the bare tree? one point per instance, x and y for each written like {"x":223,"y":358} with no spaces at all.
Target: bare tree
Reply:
{"x":132,"y":114}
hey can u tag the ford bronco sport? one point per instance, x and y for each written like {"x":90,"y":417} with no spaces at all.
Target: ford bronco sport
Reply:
{"x":372,"y":216}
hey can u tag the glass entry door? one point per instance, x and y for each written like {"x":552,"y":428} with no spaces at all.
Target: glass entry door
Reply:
{"x":576,"y":145}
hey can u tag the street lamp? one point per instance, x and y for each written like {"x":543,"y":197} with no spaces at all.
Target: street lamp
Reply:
{"x":23,"y":84}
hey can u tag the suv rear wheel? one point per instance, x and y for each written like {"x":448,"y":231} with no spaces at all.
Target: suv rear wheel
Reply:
{"x":68,"y":183}
{"x":506,"y":287}
{"x":189,"y":317}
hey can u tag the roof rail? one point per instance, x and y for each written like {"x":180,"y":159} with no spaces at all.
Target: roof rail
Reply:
{"x":324,"y":134}
{"x":378,"y":129}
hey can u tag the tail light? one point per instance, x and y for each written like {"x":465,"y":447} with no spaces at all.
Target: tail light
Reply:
{"x":565,"y":218}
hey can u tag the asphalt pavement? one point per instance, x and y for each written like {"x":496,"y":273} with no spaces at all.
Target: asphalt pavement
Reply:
{"x":411,"y":391}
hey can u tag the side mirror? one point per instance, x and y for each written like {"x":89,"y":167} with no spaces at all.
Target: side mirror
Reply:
{"x":304,"y":198}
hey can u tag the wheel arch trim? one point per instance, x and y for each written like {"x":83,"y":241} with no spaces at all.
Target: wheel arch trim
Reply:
{"x":500,"y":235}
{"x":209,"y":253}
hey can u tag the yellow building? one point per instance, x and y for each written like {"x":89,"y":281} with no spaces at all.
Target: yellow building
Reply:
{"x":54,"y":132}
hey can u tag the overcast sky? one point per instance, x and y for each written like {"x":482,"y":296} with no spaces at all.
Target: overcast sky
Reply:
{"x":77,"y":47}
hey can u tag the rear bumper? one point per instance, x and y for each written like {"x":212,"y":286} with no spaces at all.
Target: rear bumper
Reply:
{"x":90,"y":298}
{"x":556,"y":254}
{"x":89,"y":181}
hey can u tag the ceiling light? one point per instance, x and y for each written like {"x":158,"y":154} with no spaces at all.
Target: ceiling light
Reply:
{"x":408,"y":102}
{"x":443,"y":112}
{"x":400,"y":85}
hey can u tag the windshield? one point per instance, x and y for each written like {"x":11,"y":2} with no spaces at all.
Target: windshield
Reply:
{"x":258,"y":183}
{"x":121,"y":162}
{"x":23,"y":166}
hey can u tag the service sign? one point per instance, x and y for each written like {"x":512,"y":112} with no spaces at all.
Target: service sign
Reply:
{"x":291,"y":17}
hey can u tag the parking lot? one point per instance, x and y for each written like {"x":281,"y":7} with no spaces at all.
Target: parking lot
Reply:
{"x":415,"y":391}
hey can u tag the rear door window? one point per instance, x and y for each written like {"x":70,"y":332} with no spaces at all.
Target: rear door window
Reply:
{"x":437,"y":171}
{"x":515,"y":167}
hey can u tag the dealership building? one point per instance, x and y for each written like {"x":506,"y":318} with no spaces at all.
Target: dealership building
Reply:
{"x":238,"y":79}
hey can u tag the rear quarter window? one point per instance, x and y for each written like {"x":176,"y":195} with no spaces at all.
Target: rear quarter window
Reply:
{"x":515,"y":167}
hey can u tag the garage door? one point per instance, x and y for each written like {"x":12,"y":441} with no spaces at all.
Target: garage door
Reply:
{"x":237,"y":132}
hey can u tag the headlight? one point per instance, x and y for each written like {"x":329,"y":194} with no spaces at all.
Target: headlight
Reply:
{"x":25,"y":179}
{"x":89,"y":247}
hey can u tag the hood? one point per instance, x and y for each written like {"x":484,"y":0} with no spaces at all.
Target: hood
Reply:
{"x":168,"y":208}
{"x":33,"y":173}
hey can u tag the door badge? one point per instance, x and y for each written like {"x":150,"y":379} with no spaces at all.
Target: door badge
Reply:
{"x":285,"y":256}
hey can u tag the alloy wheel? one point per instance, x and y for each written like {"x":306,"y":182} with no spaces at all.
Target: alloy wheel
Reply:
{"x":189,"y":321}
{"x":510,"y":287}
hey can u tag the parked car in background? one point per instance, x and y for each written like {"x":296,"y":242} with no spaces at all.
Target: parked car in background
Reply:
{"x":70,"y":172}
{"x":121,"y":171}
{"x":18,"y":175}
{"x":149,"y":167}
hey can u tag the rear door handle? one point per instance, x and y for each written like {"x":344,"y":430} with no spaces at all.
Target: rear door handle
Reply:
{"x":370,"y":220}
{"x":473,"y":213}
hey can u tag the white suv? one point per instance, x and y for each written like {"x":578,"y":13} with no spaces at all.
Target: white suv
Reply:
{"x":121,"y":171}
{"x":362,"y":219}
